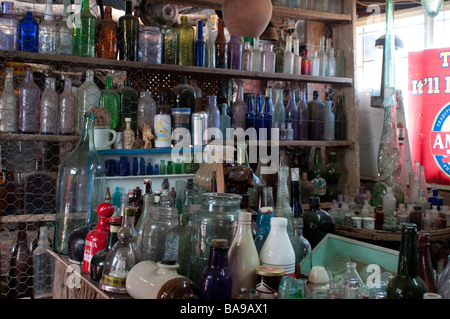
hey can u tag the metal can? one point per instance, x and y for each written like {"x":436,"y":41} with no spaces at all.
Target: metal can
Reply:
{"x":163,"y":130}
{"x":180,"y":120}
{"x":199,"y":124}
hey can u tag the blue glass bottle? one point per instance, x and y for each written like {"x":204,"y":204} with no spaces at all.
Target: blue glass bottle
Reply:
{"x":156,"y":169}
{"x":149,"y":169}
{"x":259,"y":122}
{"x":263,"y":226}
{"x":200,"y":46}
{"x":117,"y":197}
{"x":28,"y":34}
{"x":268,"y":116}
{"x":135,"y":166}
{"x":142,"y":166}
{"x":250,"y":117}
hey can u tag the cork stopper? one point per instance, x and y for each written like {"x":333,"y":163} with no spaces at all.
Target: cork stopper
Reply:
{"x":219,"y":243}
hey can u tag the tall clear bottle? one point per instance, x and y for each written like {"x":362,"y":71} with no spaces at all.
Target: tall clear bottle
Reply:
{"x":28,"y":34}
{"x":279,"y":110}
{"x":221,"y":46}
{"x":292,"y":114}
{"x":256,"y":62}
{"x":44,"y":265}
{"x":288,"y":66}
{"x":268,"y":58}
{"x":297,"y":57}
{"x":323,"y":58}
{"x":28,"y":94}
{"x":8,"y":27}
{"x":80,"y":187}
{"x":88,"y":95}
{"x":210,"y":58}
{"x":185,"y":42}
{"x":64,"y":40}
{"x":264,"y":214}
{"x":67,"y":109}
{"x":8,"y":104}
{"x":332,"y":63}
{"x":283,"y":208}
{"x":247,"y":57}
{"x":110,"y":100}
{"x":213,"y":112}
{"x":128,"y":34}
{"x":303,"y":116}
{"x":47,"y":30}
{"x":225,"y":122}
{"x":49,"y":108}
{"x":239,"y":108}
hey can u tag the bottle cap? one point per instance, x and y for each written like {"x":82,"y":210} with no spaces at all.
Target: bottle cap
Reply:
{"x":245,"y":216}
{"x":105,"y":210}
{"x":219,"y":243}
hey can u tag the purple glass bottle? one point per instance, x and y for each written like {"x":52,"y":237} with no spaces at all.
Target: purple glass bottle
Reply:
{"x":235,"y":50}
{"x":29,"y":100}
{"x":216,"y":279}
{"x":292,"y":113}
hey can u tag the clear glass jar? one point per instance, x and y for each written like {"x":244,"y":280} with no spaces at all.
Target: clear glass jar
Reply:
{"x":150,"y":44}
{"x":28,"y":95}
{"x":216,"y":218}
{"x":268,"y":58}
{"x":8,"y":26}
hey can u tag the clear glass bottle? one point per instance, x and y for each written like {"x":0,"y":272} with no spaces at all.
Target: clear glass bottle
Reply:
{"x":80,"y":187}
{"x":28,"y":95}
{"x":150,"y":44}
{"x":8,"y":26}
{"x":47,"y":30}
{"x":340,"y":64}
{"x":221,"y":46}
{"x":303,"y":116}
{"x":128,"y":104}
{"x":146,"y":110}
{"x":199,"y":46}
{"x":88,"y":95}
{"x":107,"y":36}
{"x":302,"y":247}
{"x":170,"y":44}
{"x":297,"y":57}
{"x":323,"y":58}
{"x":279,"y":110}
{"x":267,"y":58}
{"x":225,"y":122}
{"x":247,"y":57}
{"x":332,"y":64}
{"x":49,"y":108}
{"x":315,"y":64}
{"x":186,"y":36}
{"x":239,"y":108}
{"x":288,"y":57}
{"x":352,"y":274}
{"x":210,"y":57}
{"x":329,"y":122}
{"x":110,"y":100}
{"x":8,"y":104}
{"x":44,"y":265}
{"x":283,"y":208}
{"x":292,"y":115}
{"x":64,"y":39}
{"x":235,"y":52}
{"x":28,"y":34}
{"x":128,"y":34}
{"x":67,"y":108}
{"x":256,"y":61}
{"x":213,"y":112}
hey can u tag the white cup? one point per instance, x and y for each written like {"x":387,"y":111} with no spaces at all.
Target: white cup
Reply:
{"x":118,"y":143}
{"x":104,"y":137}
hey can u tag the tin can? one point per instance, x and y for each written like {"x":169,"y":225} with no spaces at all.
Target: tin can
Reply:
{"x":199,"y":124}
{"x":163,"y":130}
{"x":181,"y":120}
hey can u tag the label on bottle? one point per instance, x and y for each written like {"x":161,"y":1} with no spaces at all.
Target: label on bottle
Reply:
{"x":295,"y":174}
{"x":113,"y":281}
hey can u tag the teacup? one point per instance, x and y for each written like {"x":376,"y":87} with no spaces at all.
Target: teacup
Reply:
{"x":104,"y":137}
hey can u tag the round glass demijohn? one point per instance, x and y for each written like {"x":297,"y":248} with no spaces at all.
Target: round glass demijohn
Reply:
{"x":216,"y":219}
{"x":80,"y":189}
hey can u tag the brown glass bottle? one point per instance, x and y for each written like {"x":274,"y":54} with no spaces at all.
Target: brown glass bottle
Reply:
{"x":241,"y":176}
{"x":11,"y":196}
{"x":107,"y":36}
{"x":379,"y":218}
{"x":21,"y":267}
{"x":128,"y":34}
{"x":221,"y":47}
{"x":425,"y":264}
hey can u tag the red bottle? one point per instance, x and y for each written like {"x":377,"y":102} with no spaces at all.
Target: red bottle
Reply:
{"x":97,"y":239}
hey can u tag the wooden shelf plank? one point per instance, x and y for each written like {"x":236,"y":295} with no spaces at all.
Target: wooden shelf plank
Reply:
{"x":39,"y":137}
{"x":27,"y":218}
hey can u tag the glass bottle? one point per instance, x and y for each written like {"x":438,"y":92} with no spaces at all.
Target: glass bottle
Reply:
{"x":264,"y":214}
{"x":170,"y":44}
{"x":49,"y":108}
{"x":128,"y":104}
{"x":303,"y":116}
{"x":267,"y":118}
{"x":184,"y":95}
{"x":119,"y":261}
{"x":88,"y":95}
{"x":250,"y":116}
{"x":302,"y":247}
{"x":110,"y":100}
{"x":28,"y":34}
{"x":323,"y":58}
{"x":339,"y":119}
{"x":84,"y":32}
{"x":150,"y":44}
{"x":317,"y":169}
{"x":216,"y":280}
{"x":329,"y":122}
{"x":443,"y":285}
{"x":243,"y":257}
{"x":146,"y":110}
{"x":307,"y":189}
{"x":28,"y":95}
{"x":317,"y":222}
{"x":283,"y":208}
{"x":352,"y":274}
{"x":98,"y":260}
{"x":247,"y":57}
{"x":43,"y":266}
{"x":235,"y":51}
{"x":21,"y":267}
{"x":277,"y":249}
{"x":8,"y":104}
{"x":64,"y":39}
{"x":316,"y":111}
{"x":279,"y":58}
{"x":225,"y":122}
{"x":332,"y":175}
{"x":47,"y":30}
{"x":128,"y":34}
{"x":315,"y":64}
{"x":67,"y":105}
{"x":279,"y":110}
{"x":426,"y":271}
{"x":268,"y":58}
{"x":9,"y":24}
{"x":107,"y":36}
{"x":288,"y":57}
{"x":306,"y":64}
{"x":199,"y":46}
{"x":213,"y":112}
{"x":296,"y":197}
{"x":210,"y":57}
{"x":259,"y":122}
{"x":256,"y":61}
{"x":407,"y":283}
{"x":221,"y":46}
{"x":332,"y":64}
{"x":340,"y":64}
{"x":239,"y":108}
{"x":80,"y":187}
{"x":297,"y":57}
{"x":185,"y":42}
{"x":292,"y":115}
{"x":128,"y":137}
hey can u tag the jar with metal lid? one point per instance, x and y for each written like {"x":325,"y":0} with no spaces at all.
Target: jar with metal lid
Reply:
{"x":150,"y":44}
{"x":181,"y":120}
{"x":268,"y":281}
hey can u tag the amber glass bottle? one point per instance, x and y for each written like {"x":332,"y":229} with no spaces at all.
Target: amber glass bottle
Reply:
{"x":221,"y":47}
{"x":107,"y":36}
{"x":425,"y":264}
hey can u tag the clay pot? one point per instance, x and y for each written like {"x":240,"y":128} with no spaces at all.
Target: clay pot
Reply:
{"x":246,"y":18}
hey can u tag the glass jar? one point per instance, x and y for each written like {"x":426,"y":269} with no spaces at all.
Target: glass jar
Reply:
{"x":216,"y":218}
{"x":150,"y":44}
{"x":10,"y":23}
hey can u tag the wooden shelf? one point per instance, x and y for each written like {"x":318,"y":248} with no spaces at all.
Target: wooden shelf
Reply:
{"x":39,"y":137}
{"x":27,"y":218}
{"x":151,"y":176}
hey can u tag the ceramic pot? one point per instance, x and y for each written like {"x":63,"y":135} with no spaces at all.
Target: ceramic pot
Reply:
{"x":246,"y":18}
{"x":150,"y":280}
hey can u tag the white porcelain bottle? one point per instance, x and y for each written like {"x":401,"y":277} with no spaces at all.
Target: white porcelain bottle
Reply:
{"x":242,"y":256}
{"x":277,"y":249}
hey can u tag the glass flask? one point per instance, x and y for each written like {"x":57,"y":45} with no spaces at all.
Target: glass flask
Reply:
{"x":49,"y":108}
{"x":67,"y":105}
{"x":8,"y":104}
{"x":221,"y":46}
{"x":118,"y":262}
{"x":28,"y":34}
{"x":107,"y":36}
{"x":213,"y":112}
{"x":110,"y":100}
{"x":64,"y":34}
{"x":235,"y":50}
{"x":84,"y":32}
{"x":146,"y":110}
{"x":128,"y":34}
{"x":88,"y":95}
{"x":292,"y":113}
{"x":150,"y":44}
{"x":80,"y":187}
{"x":247,"y":57}
{"x":170,"y":44}
{"x":28,"y":94}
{"x":303,"y":116}
{"x":267,"y":58}
{"x":352,"y":274}
{"x":239,"y":108}
{"x":288,"y":57}
{"x":185,"y":42}
{"x":302,"y":248}
{"x":216,"y":218}
{"x":283,"y":208}
{"x":128,"y":104}
{"x":279,"y":110}
{"x":8,"y":27}
{"x":47,"y":30}
{"x":44,"y":265}
{"x":199,"y":46}
{"x":317,"y":222}
{"x":316,"y":111}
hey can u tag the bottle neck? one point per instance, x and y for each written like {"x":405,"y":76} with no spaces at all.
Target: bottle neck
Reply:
{"x":200,"y":30}
{"x":112,"y":237}
{"x":240,"y":92}
{"x":241,"y":154}
{"x":218,"y":258}
{"x":408,"y":258}
{"x":48,"y":15}
{"x":9,"y":80}
{"x":128,"y":7}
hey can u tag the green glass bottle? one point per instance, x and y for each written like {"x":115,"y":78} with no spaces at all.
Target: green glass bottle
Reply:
{"x":317,"y":174}
{"x":110,"y":100}
{"x":128,"y":104}
{"x":407,"y":284}
{"x":84,"y":32}
{"x":128,"y":40}
{"x":333,"y":173}
{"x":185,"y":42}
{"x":170,"y":44}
